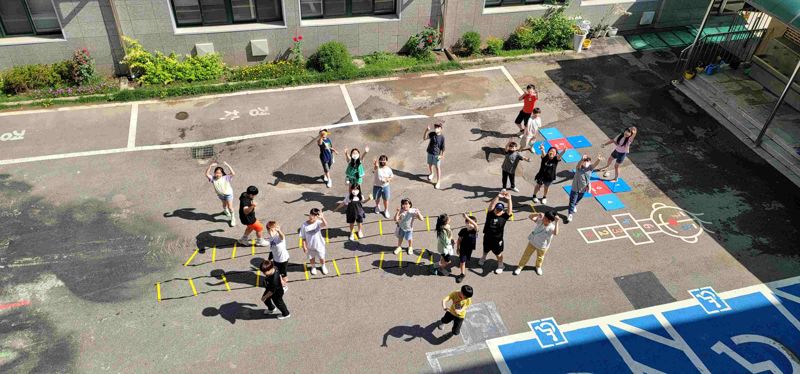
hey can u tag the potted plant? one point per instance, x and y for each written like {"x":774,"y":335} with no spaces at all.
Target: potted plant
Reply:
{"x":616,"y":10}
{"x":688,"y":74}
{"x":578,"y":38}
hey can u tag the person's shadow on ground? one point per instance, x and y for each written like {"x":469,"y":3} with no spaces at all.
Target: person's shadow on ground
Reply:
{"x":298,"y":179}
{"x":191,"y":215}
{"x":235,"y":310}
{"x":205,"y":240}
{"x":328,"y":202}
{"x":488,"y":133}
{"x":409,"y":333}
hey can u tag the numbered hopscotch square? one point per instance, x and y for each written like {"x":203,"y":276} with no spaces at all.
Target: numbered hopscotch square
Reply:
{"x":548,"y":334}
{"x":709,"y":300}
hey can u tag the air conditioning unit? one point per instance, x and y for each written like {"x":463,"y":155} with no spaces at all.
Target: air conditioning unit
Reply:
{"x":259,"y":47}
{"x":202,"y":49}
{"x":647,"y":18}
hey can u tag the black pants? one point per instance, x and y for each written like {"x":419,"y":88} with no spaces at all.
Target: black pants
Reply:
{"x":508,"y":177}
{"x":457,"y":321}
{"x":276,"y":300}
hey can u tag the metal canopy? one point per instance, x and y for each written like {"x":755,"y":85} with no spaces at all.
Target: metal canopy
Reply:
{"x":787,"y":11}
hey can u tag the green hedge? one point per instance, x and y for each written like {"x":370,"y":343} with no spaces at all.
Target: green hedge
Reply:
{"x":331,"y":56}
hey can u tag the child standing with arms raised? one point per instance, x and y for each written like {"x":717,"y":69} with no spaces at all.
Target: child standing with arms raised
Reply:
{"x":380,"y":187}
{"x":510,"y":163}
{"x":223,"y":188}
{"x":405,"y":216}
{"x":313,"y":242}
{"x":354,"y":173}
{"x":547,"y":172}
{"x":355,"y":209}
{"x":528,"y":98}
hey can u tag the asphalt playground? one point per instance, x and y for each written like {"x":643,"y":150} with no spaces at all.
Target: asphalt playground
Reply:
{"x":111,"y":258}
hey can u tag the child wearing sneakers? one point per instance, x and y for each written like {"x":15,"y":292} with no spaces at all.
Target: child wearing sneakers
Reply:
{"x":313,"y":242}
{"x":355,"y":209}
{"x":461,"y":300}
{"x":510,"y":163}
{"x":326,"y":152}
{"x":533,"y":126}
{"x":247,"y":214}
{"x":528,"y":98}
{"x":223,"y":188}
{"x":444,"y":244}
{"x":404,"y":217}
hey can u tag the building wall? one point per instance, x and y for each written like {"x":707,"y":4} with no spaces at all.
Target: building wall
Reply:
{"x":90,"y":24}
{"x":84,"y":24}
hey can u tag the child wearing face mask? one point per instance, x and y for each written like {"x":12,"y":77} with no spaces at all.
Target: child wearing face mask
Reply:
{"x":355,"y":209}
{"x":510,"y":163}
{"x":467,"y":240}
{"x":326,"y":152}
{"x":581,"y":183}
{"x":380,"y":184}
{"x":354,"y":174}
{"x":435,"y":152}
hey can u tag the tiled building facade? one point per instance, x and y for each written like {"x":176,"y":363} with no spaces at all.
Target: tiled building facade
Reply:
{"x":45,"y":31}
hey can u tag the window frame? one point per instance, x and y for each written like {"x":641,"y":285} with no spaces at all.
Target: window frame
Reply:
{"x":230,"y":20}
{"x":524,"y":2}
{"x":28,"y":15}
{"x":349,"y":11}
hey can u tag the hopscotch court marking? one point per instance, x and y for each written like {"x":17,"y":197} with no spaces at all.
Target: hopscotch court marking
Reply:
{"x":664,"y":219}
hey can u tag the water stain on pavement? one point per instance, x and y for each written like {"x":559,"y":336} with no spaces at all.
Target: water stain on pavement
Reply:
{"x":382,"y":132}
{"x":431,"y":95}
{"x":29,"y":343}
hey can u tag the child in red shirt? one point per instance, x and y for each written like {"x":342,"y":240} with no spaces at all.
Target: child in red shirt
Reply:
{"x":529,"y":99}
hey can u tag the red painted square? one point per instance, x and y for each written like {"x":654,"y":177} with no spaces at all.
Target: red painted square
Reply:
{"x":561,"y":144}
{"x":600,"y":188}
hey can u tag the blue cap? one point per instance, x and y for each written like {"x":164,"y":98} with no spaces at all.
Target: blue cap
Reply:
{"x":499,"y":206}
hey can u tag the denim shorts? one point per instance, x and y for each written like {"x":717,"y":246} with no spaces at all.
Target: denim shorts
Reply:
{"x":225,"y":197}
{"x":619,"y":156}
{"x":379,"y":192}
{"x":404,"y":235}
{"x":433,"y":160}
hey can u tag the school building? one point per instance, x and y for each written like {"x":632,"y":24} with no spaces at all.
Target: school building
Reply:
{"x":252,"y":31}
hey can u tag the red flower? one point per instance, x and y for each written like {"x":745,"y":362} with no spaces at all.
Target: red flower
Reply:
{"x":300,"y":37}
{"x":295,"y":39}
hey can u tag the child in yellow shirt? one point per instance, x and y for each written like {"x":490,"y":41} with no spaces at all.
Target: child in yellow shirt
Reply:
{"x":461,"y":300}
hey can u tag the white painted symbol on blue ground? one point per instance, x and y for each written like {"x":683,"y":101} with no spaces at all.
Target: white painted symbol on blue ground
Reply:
{"x":757,"y":367}
{"x":709,"y":300}
{"x":547,"y":332}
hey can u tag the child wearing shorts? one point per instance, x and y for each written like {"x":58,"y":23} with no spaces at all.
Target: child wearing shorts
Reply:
{"x":247,"y":214}
{"x":277,"y":246}
{"x":223,"y":188}
{"x":528,"y":98}
{"x":404,"y":217}
{"x":313,"y":242}
{"x":547,"y":172}
{"x":326,"y":152}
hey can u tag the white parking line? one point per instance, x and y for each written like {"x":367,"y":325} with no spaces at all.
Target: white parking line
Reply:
{"x":511,"y":79}
{"x":465,"y":71}
{"x":202,"y":143}
{"x":132,"y":126}
{"x":498,"y":107}
{"x":349,"y":103}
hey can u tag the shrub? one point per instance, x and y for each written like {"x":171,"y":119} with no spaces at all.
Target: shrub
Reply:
{"x":421,"y":44}
{"x":269,"y":70}
{"x":470,"y":43}
{"x":158,"y":68}
{"x":551,"y":32}
{"x":331,"y":56}
{"x":387,"y":60}
{"x":82,"y":68}
{"x":494,"y":45}
{"x":29,"y":77}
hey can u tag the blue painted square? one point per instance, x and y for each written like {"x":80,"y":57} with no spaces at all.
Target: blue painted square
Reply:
{"x":571,"y":155}
{"x":579,"y":141}
{"x":618,"y":186}
{"x":588,"y":351}
{"x":547,"y":332}
{"x":568,"y":190}
{"x":551,"y":133}
{"x":709,"y":300}
{"x":535,"y":147}
{"x":610,"y":202}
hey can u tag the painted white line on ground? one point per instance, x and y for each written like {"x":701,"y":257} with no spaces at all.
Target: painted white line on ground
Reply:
{"x":251,"y":92}
{"x":132,"y":126}
{"x":376,"y":80}
{"x":349,"y":102}
{"x":429,"y":75}
{"x":71,"y":108}
{"x":202,"y":143}
{"x":472,"y":70}
{"x":457,"y":112}
{"x":511,"y":79}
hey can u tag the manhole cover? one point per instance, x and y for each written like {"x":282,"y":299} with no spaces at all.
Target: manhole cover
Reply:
{"x":181,"y":116}
{"x":576,"y":85}
{"x":202,"y":152}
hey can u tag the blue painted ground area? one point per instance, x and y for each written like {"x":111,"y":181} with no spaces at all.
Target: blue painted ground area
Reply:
{"x":750,"y":330}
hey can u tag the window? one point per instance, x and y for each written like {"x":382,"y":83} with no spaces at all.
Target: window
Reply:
{"x":345,"y":8}
{"x":225,"y":12}
{"x":28,"y":17}
{"x":493,"y":3}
